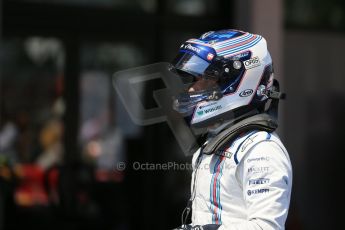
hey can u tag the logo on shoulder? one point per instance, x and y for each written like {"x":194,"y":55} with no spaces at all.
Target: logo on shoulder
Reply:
{"x":247,"y":142}
{"x":258,"y":159}
{"x":224,"y":153}
{"x":252,"y":63}
{"x":258,"y":181}
{"x":257,"y":191}
{"x":246,"y":93}
{"x":258,"y":169}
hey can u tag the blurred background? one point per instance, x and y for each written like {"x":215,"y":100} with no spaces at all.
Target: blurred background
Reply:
{"x":63,"y":129}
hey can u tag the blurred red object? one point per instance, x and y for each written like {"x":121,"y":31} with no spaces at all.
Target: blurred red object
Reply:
{"x":30,"y":191}
{"x":102,"y":175}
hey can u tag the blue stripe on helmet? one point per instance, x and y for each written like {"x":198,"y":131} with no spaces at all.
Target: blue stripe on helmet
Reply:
{"x":233,"y":41}
{"x":235,"y":50}
{"x":240,"y":48}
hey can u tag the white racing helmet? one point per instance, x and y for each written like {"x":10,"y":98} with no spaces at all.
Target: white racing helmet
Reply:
{"x":229,"y":74}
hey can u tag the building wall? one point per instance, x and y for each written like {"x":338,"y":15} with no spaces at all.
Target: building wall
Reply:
{"x":313,"y":118}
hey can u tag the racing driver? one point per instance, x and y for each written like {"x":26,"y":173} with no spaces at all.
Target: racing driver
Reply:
{"x":242,"y":174}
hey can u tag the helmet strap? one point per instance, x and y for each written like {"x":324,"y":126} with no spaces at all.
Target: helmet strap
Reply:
{"x":275,"y":95}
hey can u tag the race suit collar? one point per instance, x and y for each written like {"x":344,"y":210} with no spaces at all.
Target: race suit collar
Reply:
{"x":261,"y":122}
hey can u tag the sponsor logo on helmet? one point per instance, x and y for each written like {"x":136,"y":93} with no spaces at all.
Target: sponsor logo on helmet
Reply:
{"x":213,"y":109}
{"x":210,"y":110}
{"x":190,"y":47}
{"x":207,"y":105}
{"x":242,"y":56}
{"x":210,"y":56}
{"x":205,"y":35}
{"x":246,"y":93}
{"x":252,"y":63}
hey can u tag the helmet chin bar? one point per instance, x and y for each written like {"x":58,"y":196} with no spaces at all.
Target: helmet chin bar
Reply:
{"x":186,"y":102}
{"x":241,"y":113}
{"x":230,"y":117}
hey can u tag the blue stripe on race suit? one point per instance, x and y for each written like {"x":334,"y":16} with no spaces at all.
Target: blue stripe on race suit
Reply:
{"x":218,"y":191}
{"x":216,"y":206}
{"x":232,"y":42}
{"x":215,"y":190}
{"x":268,"y":136}
{"x":240,"y":48}
{"x":215,"y":214}
{"x":211,"y":189}
{"x":233,"y":143}
{"x":239,"y":146}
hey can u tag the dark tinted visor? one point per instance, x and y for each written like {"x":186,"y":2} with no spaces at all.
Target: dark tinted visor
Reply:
{"x":190,"y":63}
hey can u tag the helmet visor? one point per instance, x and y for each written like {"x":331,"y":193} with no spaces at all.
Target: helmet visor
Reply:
{"x":199,"y":87}
{"x":190,"y":63}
